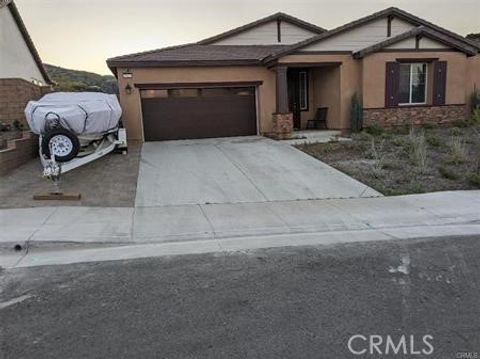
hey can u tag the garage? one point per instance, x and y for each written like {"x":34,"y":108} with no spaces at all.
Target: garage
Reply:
{"x":198,"y":112}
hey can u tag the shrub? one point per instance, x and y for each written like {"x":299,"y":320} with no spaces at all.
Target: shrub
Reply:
{"x":475,"y":100}
{"x":433,"y":141}
{"x":429,"y":126}
{"x":455,"y":131}
{"x":461,"y":123}
{"x":378,"y":154}
{"x":474,"y":180}
{"x":476,"y":116}
{"x":400,"y":142}
{"x":418,"y":149}
{"x":448,"y":173}
{"x":374,"y":129}
{"x":17,"y":125}
{"x":4,"y":127}
{"x":356,"y":114}
{"x":458,"y":149}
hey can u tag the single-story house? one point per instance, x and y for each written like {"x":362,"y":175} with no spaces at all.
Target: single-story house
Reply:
{"x":269,"y":77}
{"x":22,"y":74}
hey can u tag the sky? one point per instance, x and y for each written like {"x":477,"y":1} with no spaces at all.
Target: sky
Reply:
{"x":82,"y":34}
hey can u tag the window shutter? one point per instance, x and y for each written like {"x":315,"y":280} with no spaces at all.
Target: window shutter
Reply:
{"x":439,"y":82}
{"x":392,"y":80}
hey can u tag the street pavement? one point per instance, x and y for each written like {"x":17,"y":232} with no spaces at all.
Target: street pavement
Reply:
{"x":289,"y":302}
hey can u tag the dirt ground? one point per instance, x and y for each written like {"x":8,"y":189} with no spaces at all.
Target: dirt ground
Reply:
{"x":111,"y":181}
{"x":385,"y":161}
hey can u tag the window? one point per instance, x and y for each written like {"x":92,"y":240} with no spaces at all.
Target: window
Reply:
{"x":412,"y":86}
{"x":303,"y":90}
{"x":153,"y":93}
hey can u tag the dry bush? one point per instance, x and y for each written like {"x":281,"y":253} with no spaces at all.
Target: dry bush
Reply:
{"x":458,"y":149}
{"x":418,"y":149}
{"x":378,"y":153}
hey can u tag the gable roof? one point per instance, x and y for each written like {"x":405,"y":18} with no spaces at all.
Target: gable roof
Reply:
{"x":391,"y":11}
{"x":28,"y":41}
{"x":198,"y":55}
{"x":421,"y":30}
{"x":277,"y":16}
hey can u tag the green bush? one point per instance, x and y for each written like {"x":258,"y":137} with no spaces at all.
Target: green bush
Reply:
{"x":4,"y":127}
{"x":17,"y":125}
{"x":374,"y":129}
{"x":455,"y":131}
{"x":461,"y":123}
{"x":476,"y":116}
{"x":433,"y":141}
{"x":429,"y":126}
{"x":448,"y":173}
{"x":474,"y":180}
{"x":356,"y":114}
{"x":475,"y":100}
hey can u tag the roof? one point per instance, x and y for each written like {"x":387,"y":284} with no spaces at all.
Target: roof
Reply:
{"x":277,"y":16}
{"x":198,"y":55}
{"x":391,"y":11}
{"x":421,"y":30}
{"x":28,"y":41}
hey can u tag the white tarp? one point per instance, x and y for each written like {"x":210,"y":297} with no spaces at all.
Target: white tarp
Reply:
{"x":79,"y":112}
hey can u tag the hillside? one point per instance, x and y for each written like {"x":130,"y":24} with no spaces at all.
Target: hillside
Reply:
{"x":75,"y":80}
{"x":474,"y":36}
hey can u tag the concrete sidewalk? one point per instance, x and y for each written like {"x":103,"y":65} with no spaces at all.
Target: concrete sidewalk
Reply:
{"x":237,"y":220}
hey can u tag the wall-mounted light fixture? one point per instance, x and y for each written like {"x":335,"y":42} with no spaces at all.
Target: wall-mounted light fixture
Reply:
{"x":128,"y":89}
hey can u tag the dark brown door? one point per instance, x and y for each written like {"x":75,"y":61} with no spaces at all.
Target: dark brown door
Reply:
{"x":198,"y":113}
{"x":293,"y":79}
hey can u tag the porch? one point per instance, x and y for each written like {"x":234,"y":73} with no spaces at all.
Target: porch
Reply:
{"x":302,"y":89}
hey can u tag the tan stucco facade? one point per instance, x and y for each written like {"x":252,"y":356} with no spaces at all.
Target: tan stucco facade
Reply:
{"x":374,"y":76}
{"x":334,"y":79}
{"x":131,"y":103}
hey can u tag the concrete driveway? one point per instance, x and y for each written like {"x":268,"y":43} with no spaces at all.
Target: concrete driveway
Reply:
{"x":235,"y":170}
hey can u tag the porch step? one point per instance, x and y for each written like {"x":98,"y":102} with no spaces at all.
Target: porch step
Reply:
{"x":315,"y":136}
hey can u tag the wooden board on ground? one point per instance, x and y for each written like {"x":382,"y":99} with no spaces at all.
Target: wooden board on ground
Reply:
{"x":57,"y":196}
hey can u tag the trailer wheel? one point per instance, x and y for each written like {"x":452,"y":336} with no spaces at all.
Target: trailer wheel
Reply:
{"x":63,"y":144}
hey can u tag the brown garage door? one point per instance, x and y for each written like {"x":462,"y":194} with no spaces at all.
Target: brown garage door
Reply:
{"x":172,"y":114}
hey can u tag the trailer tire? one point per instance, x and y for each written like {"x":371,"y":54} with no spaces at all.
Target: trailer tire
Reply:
{"x":64,"y":143}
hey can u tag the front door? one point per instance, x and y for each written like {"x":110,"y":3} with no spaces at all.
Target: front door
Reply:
{"x":294,"y":96}
{"x":297,"y":87}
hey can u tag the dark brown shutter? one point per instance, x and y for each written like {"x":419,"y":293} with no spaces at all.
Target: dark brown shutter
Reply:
{"x":439,"y":82}
{"x":392,"y":79}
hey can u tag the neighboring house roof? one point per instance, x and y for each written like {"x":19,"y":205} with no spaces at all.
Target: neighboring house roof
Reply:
{"x":278,"y":16}
{"x":392,"y":11}
{"x":419,"y":31}
{"x":28,"y":40}
{"x":198,"y":55}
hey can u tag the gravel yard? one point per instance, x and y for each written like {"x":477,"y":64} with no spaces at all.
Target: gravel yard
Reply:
{"x":408,"y":161}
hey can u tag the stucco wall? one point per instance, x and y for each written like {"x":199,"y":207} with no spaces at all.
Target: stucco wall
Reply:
{"x":16,"y":61}
{"x":326,"y":83}
{"x":374,"y":76}
{"x":131,"y":104}
{"x":266,"y":34}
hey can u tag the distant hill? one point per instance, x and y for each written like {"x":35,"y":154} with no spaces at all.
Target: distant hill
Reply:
{"x":75,"y":80}
{"x":474,"y":36}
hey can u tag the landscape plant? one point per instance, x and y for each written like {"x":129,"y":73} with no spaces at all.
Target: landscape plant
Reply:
{"x":417,"y":150}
